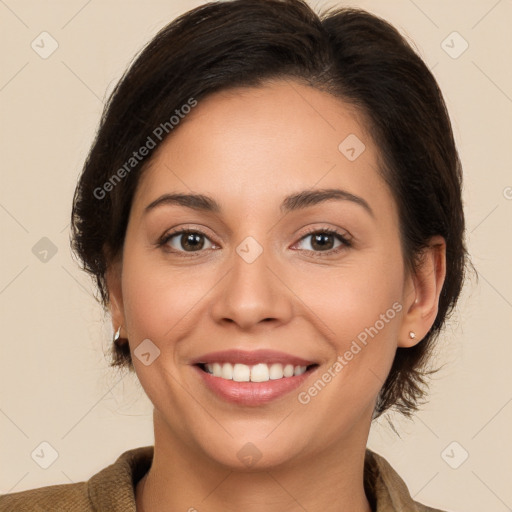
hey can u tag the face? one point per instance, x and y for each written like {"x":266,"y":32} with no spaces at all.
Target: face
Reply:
{"x":266,"y":276}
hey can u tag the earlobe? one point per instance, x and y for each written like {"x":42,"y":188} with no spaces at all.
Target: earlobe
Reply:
{"x":423,"y":293}
{"x":113,"y":281}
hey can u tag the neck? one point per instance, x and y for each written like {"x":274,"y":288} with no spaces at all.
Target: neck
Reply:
{"x":180,"y":480}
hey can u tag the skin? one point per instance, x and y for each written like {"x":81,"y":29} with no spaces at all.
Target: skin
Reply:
{"x":248,"y":149}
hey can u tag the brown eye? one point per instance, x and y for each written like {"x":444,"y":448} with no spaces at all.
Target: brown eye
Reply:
{"x":324,"y":240}
{"x":186,"y":241}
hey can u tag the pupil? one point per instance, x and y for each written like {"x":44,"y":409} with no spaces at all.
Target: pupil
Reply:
{"x":191,"y":241}
{"x":320,"y":240}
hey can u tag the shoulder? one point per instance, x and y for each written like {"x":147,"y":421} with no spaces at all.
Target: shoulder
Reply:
{"x":64,"y":497}
{"x":110,"y":489}
{"x":388,"y":490}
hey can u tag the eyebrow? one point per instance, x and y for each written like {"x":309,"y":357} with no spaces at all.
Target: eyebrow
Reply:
{"x":297,"y":201}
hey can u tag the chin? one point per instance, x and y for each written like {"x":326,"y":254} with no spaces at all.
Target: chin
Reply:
{"x":246,"y":455}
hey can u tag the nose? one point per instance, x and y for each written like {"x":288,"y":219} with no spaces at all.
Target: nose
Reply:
{"x":253,"y":293}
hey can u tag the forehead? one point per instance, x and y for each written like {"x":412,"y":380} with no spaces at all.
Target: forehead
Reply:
{"x":253,"y":146}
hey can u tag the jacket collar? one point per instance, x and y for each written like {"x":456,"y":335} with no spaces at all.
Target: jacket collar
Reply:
{"x":386,"y":491}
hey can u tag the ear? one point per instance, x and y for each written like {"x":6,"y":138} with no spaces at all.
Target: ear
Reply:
{"x":115,"y":295}
{"x":422,"y":292}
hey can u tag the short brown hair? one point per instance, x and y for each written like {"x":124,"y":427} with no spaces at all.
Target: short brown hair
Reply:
{"x":347,"y":52}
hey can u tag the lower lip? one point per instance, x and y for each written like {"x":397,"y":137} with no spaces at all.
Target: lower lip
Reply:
{"x":252,"y":393}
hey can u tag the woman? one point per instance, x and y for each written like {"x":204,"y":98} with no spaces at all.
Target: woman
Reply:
{"x":272,"y":212}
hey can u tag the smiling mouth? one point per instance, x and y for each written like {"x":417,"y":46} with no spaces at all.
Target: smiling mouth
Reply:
{"x":260,"y":372}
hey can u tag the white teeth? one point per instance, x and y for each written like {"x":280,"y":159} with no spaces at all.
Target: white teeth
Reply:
{"x":288,"y":370}
{"x":276,"y":371}
{"x":299,"y":370}
{"x":241,"y":373}
{"x":217,"y":370}
{"x":258,"y":373}
{"x":227,"y":371}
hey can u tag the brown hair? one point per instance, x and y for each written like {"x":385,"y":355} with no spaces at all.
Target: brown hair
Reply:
{"x":347,"y":52}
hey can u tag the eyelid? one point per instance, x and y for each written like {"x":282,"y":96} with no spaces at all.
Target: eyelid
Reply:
{"x":343,"y":236}
{"x":164,"y":239}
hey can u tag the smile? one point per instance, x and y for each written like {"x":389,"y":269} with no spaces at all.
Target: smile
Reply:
{"x":252,"y":378}
{"x":260,"y":372}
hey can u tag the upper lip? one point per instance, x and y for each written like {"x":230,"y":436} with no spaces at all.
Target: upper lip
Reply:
{"x":251,"y":357}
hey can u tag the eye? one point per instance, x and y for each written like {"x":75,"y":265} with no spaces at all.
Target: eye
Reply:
{"x":185,"y":240}
{"x":323,"y":241}
{"x":189,"y":241}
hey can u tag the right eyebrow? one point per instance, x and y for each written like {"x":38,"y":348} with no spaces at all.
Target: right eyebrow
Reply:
{"x":194,"y":201}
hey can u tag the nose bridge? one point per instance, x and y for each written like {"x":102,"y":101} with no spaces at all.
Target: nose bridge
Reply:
{"x":252,"y":292}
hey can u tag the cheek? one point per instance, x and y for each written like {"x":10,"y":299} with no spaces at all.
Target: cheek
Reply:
{"x":355,"y":298}
{"x":344,"y":301}
{"x":363,"y":317}
{"x":365,"y":311}
{"x":359,"y":309}
{"x":157,"y":301}
{"x":157,"y":298}
{"x":158,"y":305}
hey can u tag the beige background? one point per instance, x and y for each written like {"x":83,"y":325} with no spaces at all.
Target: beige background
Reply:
{"x":55,"y":382}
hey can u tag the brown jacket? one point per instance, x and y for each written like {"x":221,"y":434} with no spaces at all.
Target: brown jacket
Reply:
{"x":113,"y":489}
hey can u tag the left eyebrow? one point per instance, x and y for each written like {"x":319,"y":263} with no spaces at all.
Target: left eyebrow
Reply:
{"x":308,"y":198}
{"x":297,"y":201}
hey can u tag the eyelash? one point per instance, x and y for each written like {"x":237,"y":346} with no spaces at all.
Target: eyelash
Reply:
{"x":346,"y":243}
